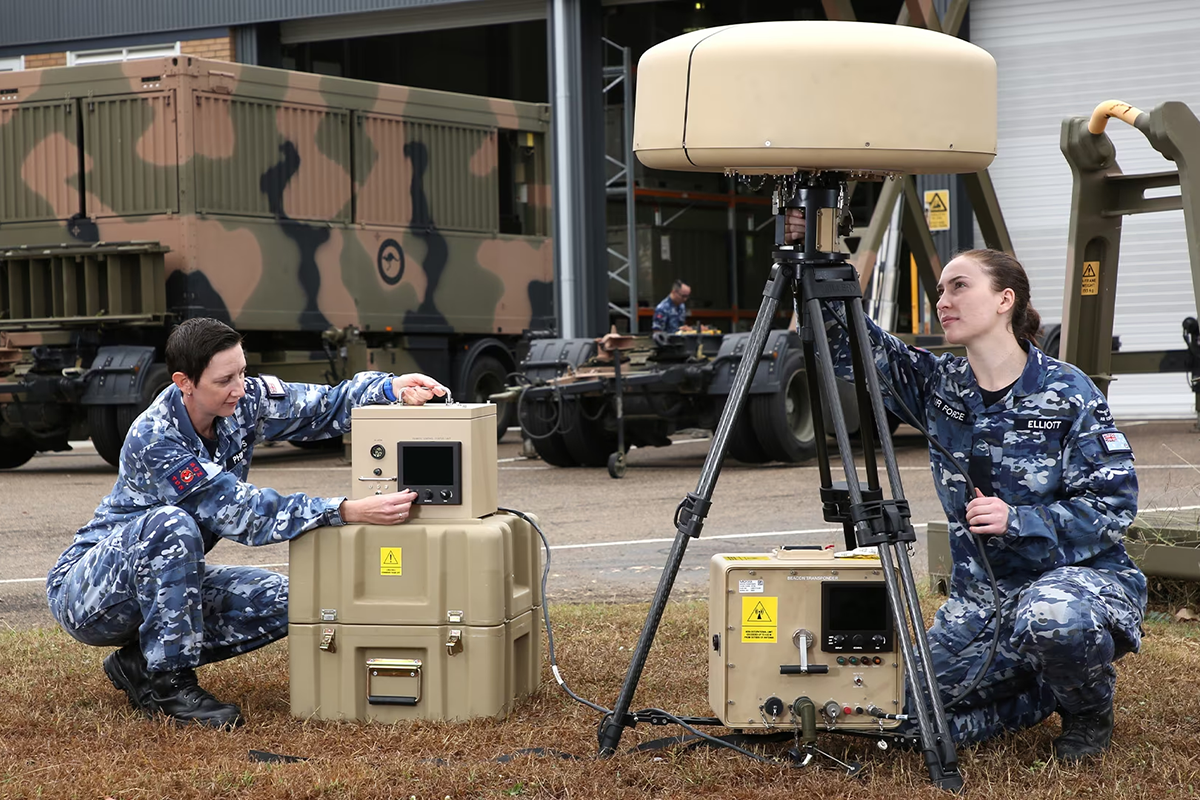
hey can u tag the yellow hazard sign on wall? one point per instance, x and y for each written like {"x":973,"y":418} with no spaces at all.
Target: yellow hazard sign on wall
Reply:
{"x":1090,"y":280}
{"x":389,"y":560}
{"x":760,"y":619}
{"x":937,"y":209}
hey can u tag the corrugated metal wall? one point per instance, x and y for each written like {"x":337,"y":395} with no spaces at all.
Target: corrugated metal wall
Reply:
{"x":452,"y":149}
{"x":133,"y":154}
{"x":1057,"y":60}
{"x":43,"y":187}
{"x":261,"y":130}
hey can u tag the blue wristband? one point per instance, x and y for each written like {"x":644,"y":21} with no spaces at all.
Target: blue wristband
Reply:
{"x":388,"y":391}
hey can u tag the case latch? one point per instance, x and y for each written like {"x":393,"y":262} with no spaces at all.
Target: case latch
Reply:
{"x":327,"y":642}
{"x":454,"y":644}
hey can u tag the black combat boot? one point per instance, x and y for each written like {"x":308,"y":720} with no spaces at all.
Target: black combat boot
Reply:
{"x":179,"y":696}
{"x":1083,"y":735}
{"x":126,"y":668}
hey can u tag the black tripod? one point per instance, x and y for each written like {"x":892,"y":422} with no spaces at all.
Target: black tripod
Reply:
{"x":814,"y":274}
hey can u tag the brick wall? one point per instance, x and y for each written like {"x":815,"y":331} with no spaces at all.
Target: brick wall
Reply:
{"x":220,"y":49}
{"x":45,"y":60}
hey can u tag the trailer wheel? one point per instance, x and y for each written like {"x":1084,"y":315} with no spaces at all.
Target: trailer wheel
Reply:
{"x":586,"y":440}
{"x":616,"y":465}
{"x":537,"y":420}
{"x":486,"y":378}
{"x":102,"y":424}
{"x":15,"y":452}
{"x":156,"y":380}
{"x":783,"y":420}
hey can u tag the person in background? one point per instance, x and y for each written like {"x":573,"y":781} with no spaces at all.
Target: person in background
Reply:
{"x":135,"y":576}
{"x":670,"y":314}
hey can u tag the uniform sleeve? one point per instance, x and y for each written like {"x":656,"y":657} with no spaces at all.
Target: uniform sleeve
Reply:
{"x":234,"y":509}
{"x":907,"y":368}
{"x":1096,"y":503}
{"x":308,"y":411}
{"x":659,"y":322}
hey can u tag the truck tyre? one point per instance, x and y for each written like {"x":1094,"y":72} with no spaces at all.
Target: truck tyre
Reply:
{"x":487,"y":377}
{"x":782,"y":420}
{"x":15,"y":452}
{"x":586,"y":440}
{"x":538,"y":421}
{"x":743,"y":444}
{"x":157,"y":379}
{"x":102,"y":424}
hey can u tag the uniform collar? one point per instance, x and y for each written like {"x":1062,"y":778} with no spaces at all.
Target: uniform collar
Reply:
{"x":1032,"y":378}
{"x":179,"y":410}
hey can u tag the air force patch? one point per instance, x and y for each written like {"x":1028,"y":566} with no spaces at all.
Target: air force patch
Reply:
{"x":1114,"y":442}
{"x":186,"y":476}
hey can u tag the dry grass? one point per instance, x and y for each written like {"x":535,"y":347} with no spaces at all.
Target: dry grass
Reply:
{"x":66,"y":733}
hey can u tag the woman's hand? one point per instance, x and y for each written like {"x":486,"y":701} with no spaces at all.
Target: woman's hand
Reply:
{"x":415,"y":389}
{"x":793,"y":225}
{"x":987,"y":516}
{"x":378,"y":509}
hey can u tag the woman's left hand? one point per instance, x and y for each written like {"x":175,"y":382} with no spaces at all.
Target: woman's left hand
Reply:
{"x":987,"y":516}
{"x":415,"y":389}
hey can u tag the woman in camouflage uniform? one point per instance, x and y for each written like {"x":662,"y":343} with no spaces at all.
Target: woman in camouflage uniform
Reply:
{"x":135,"y":576}
{"x":1054,"y":492}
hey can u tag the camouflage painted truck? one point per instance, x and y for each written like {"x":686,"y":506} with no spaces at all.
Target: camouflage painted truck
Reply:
{"x":339,"y":225}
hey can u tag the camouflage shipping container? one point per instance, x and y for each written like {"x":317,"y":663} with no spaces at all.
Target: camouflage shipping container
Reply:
{"x":339,"y":225}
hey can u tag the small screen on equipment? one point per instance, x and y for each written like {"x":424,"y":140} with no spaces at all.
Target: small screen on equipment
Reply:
{"x":858,"y":607}
{"x":428,"y":465}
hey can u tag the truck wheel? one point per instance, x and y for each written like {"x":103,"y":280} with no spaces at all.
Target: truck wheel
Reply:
{"x":102,"y":424}
{"x":486,"y":378}
{"x":15,"y":452}
{"x":782,"y":420}
{"x":537,"y":420}
{"x":156,"y":380}
{"x":743,"y":444}
{"x":586,"y":440}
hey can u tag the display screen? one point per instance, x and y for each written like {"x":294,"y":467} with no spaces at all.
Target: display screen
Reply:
{"x":428,"y":465}
{"x":858,"y":607}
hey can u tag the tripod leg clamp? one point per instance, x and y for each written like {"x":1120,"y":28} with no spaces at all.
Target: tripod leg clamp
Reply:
{"x":689,"y":517}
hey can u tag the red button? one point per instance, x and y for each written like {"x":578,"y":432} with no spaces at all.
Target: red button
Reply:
{"x":848,"y":710}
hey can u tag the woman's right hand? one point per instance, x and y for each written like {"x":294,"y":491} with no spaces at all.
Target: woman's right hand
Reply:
{"x":378,"y":509}
{"x":793,"y":225}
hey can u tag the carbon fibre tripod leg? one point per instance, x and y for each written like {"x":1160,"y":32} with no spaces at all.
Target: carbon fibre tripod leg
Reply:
{"x":689,"y":519}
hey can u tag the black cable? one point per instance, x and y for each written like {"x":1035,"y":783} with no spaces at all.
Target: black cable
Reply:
{"x":977,"y":538}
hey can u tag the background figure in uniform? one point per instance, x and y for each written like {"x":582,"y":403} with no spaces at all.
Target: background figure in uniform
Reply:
{"x":1055,"y":492}
{"x":135,"y":576}
{"x":670,"y":314}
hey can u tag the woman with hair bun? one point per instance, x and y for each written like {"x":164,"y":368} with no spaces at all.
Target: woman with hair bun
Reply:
{"x":1054,"y":492}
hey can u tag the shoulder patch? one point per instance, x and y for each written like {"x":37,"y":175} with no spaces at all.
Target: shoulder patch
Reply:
{"x":1103,"y":414}
{"x":948,"y":410}
{"x":274,"y":386}
{"x":1115,"y":442}
{"x":187,"y":475}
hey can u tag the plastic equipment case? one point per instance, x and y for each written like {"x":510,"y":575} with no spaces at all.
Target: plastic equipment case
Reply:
{"x":434,"y":619}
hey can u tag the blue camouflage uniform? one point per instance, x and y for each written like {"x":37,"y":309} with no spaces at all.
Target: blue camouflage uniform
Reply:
{"x":669,"y":317}
{"x":1071,"y":600}
{"x":136,"y":571}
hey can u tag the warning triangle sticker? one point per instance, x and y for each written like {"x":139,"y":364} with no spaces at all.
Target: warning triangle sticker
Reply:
{"x":390,"y":558}
{"x":759,"y":614}
{"x":1088,"y":270}
{"x":937,"y":203}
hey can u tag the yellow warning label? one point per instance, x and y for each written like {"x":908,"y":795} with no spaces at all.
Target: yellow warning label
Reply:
{"x":937,"y":207}
{"x":760,"y":619}
{"x":389,"y":560}
{"x":747,"y":558}
{"x":1090,"y":280}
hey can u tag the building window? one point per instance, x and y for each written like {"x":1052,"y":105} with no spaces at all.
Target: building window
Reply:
{"x":12,"y":63}
{"x":106,"y":56}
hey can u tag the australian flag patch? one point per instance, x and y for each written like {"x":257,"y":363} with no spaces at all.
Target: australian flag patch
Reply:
{"x":186,"y":476}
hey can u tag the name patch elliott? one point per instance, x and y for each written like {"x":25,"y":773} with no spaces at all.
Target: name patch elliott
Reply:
{"x":1048,"y":424}
{"x":950,"y":411}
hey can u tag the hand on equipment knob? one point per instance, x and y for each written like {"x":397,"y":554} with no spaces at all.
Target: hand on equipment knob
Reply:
{"x":379,"y":509}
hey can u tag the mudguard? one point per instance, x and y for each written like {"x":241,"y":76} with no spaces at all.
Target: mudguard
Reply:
{"x":117,"y":375}
{"x":780,"y":344}
{"x":550,"y":358}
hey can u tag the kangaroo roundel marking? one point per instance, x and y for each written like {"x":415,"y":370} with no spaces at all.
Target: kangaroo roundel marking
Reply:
{"x":390,"y":261}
